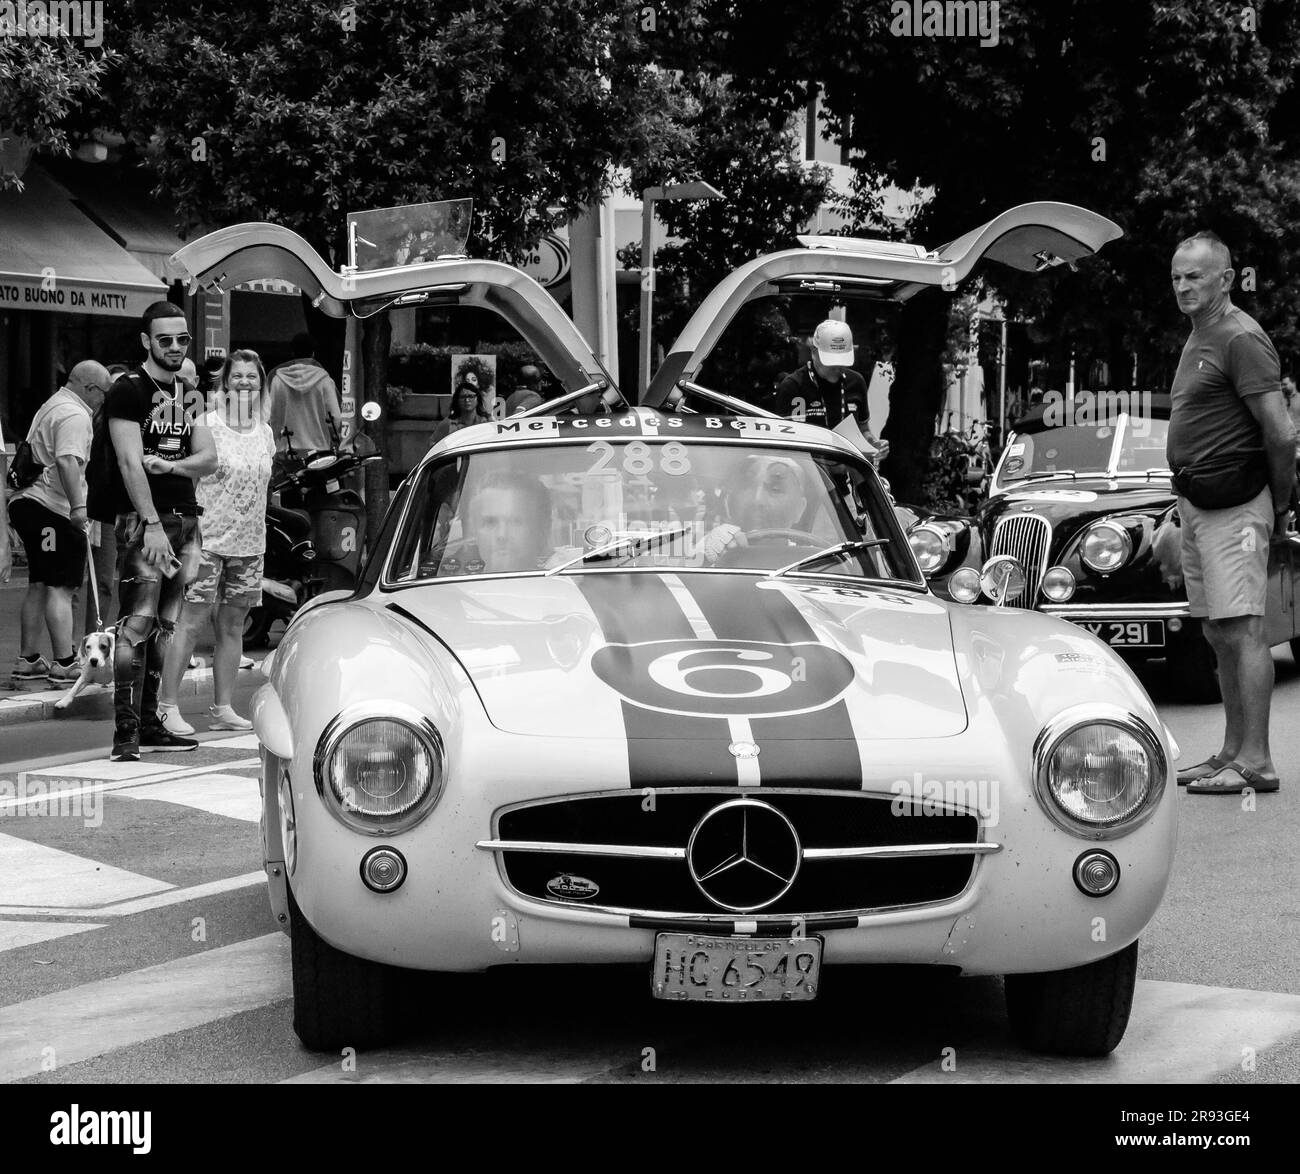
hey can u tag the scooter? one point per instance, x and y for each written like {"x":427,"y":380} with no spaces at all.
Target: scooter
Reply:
{"x":288,"y":580}
{"x":313,"y":483}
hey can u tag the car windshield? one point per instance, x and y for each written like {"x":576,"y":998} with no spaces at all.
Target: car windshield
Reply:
{"x":1039,"y":450}
{"x":649,"y":504}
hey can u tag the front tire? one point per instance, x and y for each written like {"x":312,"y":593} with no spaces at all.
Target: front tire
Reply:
{"x":339,"y":1001}
{"x":1078,"y":1012}
{"x":1194,"y":669}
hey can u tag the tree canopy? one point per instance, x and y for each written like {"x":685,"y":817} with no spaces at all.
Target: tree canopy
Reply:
{"x":309,"y":109}
{"x":46,"y":83}
{"x":1166,"y":115}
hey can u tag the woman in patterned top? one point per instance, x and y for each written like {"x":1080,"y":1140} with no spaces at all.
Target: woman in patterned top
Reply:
{"x":233,"y":531}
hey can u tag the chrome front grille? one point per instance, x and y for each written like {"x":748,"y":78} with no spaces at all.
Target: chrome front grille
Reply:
{"x":1028,"y":539}
{"x":858,"y":854}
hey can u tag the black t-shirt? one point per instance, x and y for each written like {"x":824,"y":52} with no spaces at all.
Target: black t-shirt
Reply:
{"x":804,"y":395}
{"x":166,"y":430}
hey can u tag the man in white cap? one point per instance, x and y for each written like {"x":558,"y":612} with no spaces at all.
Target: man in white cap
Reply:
{"x":826,"y":389}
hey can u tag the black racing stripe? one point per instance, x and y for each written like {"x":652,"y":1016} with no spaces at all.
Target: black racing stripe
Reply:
{"x":815,"y":749}
{"x":634,"y":608}
{"x":663,"y":749}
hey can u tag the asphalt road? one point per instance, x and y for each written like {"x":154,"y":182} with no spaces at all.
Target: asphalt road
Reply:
{"x":143,"y":950}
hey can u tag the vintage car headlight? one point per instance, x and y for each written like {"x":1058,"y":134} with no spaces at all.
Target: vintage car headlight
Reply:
{"x":380,"y":767}
{"x":1058,"y":584}
{"x":1099,"y":773}
{"x":1106,"y":547}
{"x":931,"y":547}
{"x":964,"y":585}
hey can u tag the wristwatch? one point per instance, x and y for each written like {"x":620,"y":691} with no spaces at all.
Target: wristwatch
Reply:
{"x":155,"y":522}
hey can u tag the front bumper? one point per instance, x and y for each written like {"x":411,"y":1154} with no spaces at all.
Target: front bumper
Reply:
{"x":1021,"y":911}
{"x":1085,"y":612}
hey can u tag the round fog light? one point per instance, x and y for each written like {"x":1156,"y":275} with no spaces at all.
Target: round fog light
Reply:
{"x":1175,"y":625}
{"x":1096,"y":873}
{"x":964,"y":585}
{"x":1058,"y":584}
{"x":383,"y":870}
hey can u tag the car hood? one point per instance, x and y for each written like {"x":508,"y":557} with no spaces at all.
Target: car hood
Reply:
{"x":659,"y":655}
{"x":1070,"y":506}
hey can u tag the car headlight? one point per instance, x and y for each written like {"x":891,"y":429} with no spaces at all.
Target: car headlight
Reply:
{"x":964,"y":586}
{"x":1099,"y":774}
{"x":1106,"y":547}
{"x":380,"y":767}
{"x":931,"y":547}
{"x":1058,"y":584}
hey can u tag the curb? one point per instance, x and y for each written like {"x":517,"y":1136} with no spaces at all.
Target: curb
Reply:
{"x":38,"y":707}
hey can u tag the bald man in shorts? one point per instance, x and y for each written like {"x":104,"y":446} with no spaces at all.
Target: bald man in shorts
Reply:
{"x":1231,"y":446}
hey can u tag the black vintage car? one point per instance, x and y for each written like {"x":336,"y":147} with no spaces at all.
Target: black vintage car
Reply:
{"x":1082,"y":500}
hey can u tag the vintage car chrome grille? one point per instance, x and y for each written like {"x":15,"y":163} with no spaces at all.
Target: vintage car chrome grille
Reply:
{"x":858,"y":855}
{"x":1028,"y":539}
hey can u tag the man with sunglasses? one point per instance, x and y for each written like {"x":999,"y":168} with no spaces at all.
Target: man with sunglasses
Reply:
{"x":157,"y":451}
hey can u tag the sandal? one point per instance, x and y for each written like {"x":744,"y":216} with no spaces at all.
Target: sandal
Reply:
{"x":1223,"y":783}
{"x":1190,"y":774}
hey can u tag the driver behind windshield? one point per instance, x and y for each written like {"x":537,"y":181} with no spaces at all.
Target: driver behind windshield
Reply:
{"x":767,"y":493}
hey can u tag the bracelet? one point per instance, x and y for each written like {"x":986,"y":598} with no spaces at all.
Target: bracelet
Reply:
{"x":155,"y":522}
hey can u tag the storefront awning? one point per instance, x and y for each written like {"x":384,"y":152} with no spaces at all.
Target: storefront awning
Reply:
{"x":53,"y":257}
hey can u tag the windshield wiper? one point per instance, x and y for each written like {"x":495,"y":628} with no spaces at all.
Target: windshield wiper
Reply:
{"x":830,"y":552}
{"x":1042,"y":475}
{"x":650,"y":538}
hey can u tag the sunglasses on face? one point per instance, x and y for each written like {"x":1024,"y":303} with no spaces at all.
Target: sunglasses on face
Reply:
{"x":166,"y":340}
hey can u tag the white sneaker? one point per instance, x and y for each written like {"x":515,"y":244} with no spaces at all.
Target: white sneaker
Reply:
{"x":173,"y":723}
{"x":225,"y":718}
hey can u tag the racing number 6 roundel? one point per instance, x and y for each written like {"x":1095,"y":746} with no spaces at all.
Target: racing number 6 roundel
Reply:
{"x":724,"y":678}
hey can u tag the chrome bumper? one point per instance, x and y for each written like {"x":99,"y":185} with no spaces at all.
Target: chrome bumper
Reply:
{"x":1118,"y":611}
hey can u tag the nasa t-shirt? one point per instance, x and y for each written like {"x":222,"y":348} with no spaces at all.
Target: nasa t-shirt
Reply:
{"x":166,"y":430}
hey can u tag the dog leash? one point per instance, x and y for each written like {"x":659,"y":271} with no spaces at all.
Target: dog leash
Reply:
{"x":94,"y":586}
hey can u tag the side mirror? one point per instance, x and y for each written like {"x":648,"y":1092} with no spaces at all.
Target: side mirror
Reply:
{"x":370,"y":411}
{"x":1002,"y":579}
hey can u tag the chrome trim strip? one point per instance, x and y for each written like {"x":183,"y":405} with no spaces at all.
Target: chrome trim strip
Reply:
{"x":632,"y":851}
{"x":650,"y":852}
{"x":723,"y":919}
{"x":901,"y":851}
{"x":1119,"y":611}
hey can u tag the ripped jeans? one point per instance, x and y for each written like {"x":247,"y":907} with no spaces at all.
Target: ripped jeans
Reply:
{"x":148,"y":605}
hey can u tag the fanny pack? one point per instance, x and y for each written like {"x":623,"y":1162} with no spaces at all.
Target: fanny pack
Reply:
{"x":1220,"y":485}
{"x":24,"y":469}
